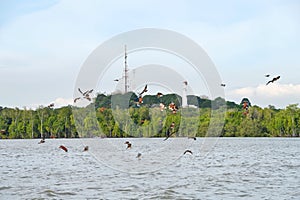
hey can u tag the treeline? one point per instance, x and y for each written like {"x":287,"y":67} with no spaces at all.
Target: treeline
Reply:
{"x":18,"y":123}
{"x":121,"y":116}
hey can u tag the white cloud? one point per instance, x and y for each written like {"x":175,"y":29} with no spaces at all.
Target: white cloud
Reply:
{"x":244,"y":39}
{"x":280,"y":95}
{"x":58,"y":103}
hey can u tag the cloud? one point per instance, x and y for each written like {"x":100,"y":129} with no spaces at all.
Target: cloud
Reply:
{"x":280,"y":95}
{"x":60,"y":102}
{"x":50,"y":44}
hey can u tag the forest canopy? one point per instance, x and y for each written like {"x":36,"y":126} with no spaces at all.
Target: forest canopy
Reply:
{"x":105,"y":116}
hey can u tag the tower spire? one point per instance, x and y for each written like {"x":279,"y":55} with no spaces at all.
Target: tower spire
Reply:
{"x":126,"y":72}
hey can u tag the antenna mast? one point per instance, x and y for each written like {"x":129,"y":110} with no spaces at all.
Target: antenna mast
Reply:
{"x":126,"y":71}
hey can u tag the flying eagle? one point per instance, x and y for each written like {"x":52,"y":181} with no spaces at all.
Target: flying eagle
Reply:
{"x":274,"y":79}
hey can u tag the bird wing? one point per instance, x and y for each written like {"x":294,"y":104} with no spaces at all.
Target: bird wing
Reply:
{"x":87,"y":92}
{"x":76,"y":99}
{"x":88,"y":98}
{"x":51,"y":105}
{"x":144,"y":90}
{"x":188,"y":151}
{"x":168,"y":134}
{"x":80,"y":90}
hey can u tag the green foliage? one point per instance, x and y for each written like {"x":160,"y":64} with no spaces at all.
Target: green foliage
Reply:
{"x":115,"y":117}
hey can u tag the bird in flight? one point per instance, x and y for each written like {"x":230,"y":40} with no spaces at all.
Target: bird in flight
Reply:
{"x":139,"y":155}
{"x":159,"y":94}
{"x":128,"y":144}
{"x":274,"y":79}
{"x":51,"y":105}
{"x":144,"y":90}
{"x":63,"y":148}
{"x":42,"y":140}
{"x":85,"y":95}
{"x":140,"y":98}
{"x":194,"y":138}
{"x":267,"y":75}
{"x":223,"y":85}
{"x":76,"y":99}
{"x":86,"y":148}
{"x":188,"y":151}
{"x":86,"y":92}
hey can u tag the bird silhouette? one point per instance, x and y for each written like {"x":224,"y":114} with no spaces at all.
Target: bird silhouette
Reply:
{"x":194,"y":138}
{"x":274,"y":79}
{"x":223,"y":85}
{"x":188,"y":151}
{"x":50,"y":105}
{"x":42,"y":140}
{"x":139,"y":155}
{"x":86,"y":148}
{"x":128,"y":144}
{"x":76,"y":99}
{"x":159,"y":94}
{"x":63,"y":148}
{"x":144,"y":90}
{"x":267,"y":75}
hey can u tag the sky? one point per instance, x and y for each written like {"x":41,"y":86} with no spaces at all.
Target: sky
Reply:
{"x":44,"y":44}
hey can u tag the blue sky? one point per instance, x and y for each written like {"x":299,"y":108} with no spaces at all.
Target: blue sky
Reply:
{"x":43,"y":44}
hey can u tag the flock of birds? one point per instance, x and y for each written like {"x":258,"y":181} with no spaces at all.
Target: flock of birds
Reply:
{"x":267,"y":75}
{"x":172,"y":106}
{"x":129,"y":146}
{"x":62,"y":147}
{"x":170,"y":131}
{"x":139,"y":155}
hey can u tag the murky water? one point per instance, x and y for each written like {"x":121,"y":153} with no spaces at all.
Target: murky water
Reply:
{"x":236,"y":168}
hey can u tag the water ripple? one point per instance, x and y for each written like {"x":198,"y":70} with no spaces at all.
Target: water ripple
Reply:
{"x":236,"y":168}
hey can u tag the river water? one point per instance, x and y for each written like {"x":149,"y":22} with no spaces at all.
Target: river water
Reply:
{"x":233,"y":168}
